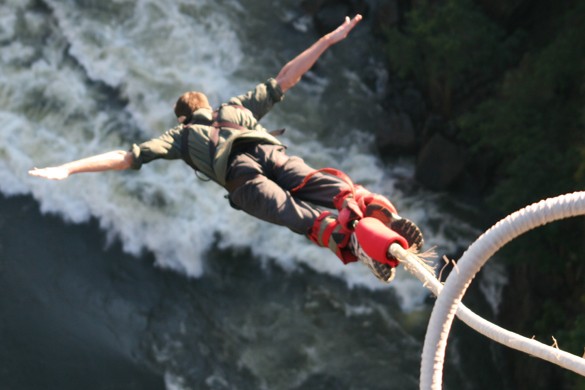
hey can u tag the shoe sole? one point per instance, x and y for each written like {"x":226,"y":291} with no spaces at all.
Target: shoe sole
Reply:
{"x":407,"y":229}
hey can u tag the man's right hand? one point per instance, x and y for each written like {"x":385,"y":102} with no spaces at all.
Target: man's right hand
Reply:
{"x":292,"y":72}
{"x":341,"y":32}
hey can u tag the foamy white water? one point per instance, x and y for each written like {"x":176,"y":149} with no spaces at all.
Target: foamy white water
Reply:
{"x":85,"y":78}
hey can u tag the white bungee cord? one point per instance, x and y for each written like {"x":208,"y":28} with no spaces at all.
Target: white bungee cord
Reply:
{"x":450,"y":294}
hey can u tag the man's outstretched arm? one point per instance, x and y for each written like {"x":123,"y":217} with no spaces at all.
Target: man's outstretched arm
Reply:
{"x":117,"y":160}
{"x":292,"y":72}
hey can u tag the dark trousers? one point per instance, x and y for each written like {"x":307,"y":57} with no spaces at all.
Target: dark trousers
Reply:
{"x":261,"y":177}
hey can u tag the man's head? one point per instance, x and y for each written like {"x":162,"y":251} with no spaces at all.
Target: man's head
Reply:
{"x":188,"y":103}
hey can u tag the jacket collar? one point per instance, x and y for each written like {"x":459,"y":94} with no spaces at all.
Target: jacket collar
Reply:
{"x":202,"y":115}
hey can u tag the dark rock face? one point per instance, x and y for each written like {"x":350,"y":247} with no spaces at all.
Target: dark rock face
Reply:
{"x":397,"y":133}
{"x":440,"y":163}
{"x":328,"y":14}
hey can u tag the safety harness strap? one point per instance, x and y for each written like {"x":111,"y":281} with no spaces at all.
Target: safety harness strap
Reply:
{"x":185,"y":148}
{"x":327,"y":232}
{"x":214,"y":136}
{"x":331,"y":171}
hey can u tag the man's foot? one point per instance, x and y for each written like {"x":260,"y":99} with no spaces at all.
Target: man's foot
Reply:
{"x":382,"y":271}
{"x":407,"y":229}
{"x":382,"y":210}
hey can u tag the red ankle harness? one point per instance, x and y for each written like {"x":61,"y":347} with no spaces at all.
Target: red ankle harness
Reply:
{"x":356,"y":204}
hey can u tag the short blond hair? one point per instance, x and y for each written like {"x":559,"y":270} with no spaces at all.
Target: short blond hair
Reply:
{"x":188,"y":103}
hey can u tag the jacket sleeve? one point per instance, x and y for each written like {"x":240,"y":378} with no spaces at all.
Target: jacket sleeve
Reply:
{"x":167,"y":146}
{"x":261,"y":99}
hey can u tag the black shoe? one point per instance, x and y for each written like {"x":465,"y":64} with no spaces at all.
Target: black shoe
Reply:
{"x":407,"y":229}
{"x":402,"y":226}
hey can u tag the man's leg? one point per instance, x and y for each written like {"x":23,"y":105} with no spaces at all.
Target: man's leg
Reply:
{"x":269,"y":173}
{"x":266,"y":200}
{"x":263,"y":198}
{"x":335,"y":190}
{"x":331,"y":188}
{"x":303,"y":181}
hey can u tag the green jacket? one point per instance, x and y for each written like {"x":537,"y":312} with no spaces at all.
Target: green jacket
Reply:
{"x":168,"y":146}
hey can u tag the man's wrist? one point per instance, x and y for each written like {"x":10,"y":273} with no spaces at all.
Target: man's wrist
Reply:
{"x":326,"y":39}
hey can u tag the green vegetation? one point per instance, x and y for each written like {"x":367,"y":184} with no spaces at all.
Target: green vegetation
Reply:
{"x":535,"y":123}
{"x":533,"y":120}
{"x":445,"y":48}
{"x":517,"y":98}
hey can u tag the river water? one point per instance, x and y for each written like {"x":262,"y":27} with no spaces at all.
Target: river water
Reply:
{"x":148,"y":279}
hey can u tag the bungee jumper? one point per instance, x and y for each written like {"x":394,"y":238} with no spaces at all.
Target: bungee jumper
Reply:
{"x":230,"y":147}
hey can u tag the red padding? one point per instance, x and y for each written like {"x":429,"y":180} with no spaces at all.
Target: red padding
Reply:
{"x":375,"y":239}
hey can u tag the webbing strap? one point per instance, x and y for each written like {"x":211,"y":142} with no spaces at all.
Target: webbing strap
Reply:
{"x":185,"y":148}
{"x":331,"y":171}
{"x":214,"y":137}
